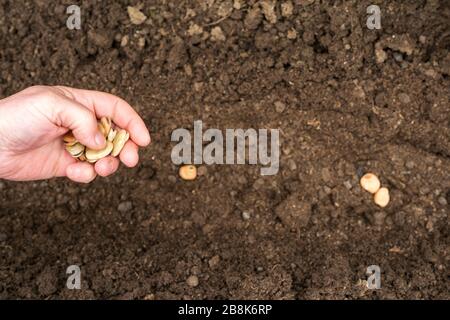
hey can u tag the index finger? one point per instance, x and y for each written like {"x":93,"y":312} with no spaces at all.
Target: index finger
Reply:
{"x":108,"y":105}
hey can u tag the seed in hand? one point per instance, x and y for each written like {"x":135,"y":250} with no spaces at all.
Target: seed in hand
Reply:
{"x":93,"y":156}
{"x":370,"y":183}
{"x":119,"y":140}
{"x":76,"y":150}
{"x":382,"y":198}
{"x":188,"y":172}
{"x":115,"y":141}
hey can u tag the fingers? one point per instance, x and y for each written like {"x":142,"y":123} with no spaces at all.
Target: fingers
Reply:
{"x":105,"y":104}
{"x":107,"y":166}
{"x":81,"y":172}
{"x":82,"y":121}
{"x":129,"y":155}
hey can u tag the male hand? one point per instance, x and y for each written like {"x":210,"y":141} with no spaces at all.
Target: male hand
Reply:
{"x":33,"y":121}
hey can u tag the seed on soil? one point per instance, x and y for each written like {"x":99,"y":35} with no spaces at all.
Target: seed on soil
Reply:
{"x":192,"y":281}
{"x":116,"y":139}
{"x":382,"y":198}
{"x":188,"y":172}
{"x":370,"y":183}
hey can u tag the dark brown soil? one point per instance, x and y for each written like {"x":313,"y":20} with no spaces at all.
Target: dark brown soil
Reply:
{"x":143,"y":232}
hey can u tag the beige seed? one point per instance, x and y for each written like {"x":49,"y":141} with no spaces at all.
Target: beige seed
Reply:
{"x":111,"y":135}
{"x":94,"y":155}
{"x":382,"y":197}
{"x":119,"y":142}
{"x":102,"y":130}
{"x":76,"y":150}
{"x":69,"y":138}
{"x":116,"y":140}
{"x":70,"y":144}
{"x":106,"y":123}
{"x":370,"y":183}
{"x":188,"y":172}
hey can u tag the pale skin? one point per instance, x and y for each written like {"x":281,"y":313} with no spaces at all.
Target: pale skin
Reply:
{"x":33,"y":121}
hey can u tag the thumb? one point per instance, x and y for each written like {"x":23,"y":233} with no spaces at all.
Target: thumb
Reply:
{"x":82,"y":121}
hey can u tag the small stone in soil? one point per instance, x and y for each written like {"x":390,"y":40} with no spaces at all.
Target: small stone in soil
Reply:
{"x":125,"y":206}
{"x":409,"y":164}
{"x":245,"y":215}
{"x":279,"y":107}
{"x":195,"y":270}
{"x":217,"y":34}
{"x":348,"y":184}
{"x":398,"y":56}
{"x":294,"y":212}
{"x":404,"y":98}
{"x":292,"y":165}
{"x":292,"y":34}
{"x":214,"y":262}
{"x":192,"y":281}
{"x":172,"y":179}
{"x":202,"y":171}
{"x":379,"y":217}
{"x":287,"y":8}
{"x":442,"y":201}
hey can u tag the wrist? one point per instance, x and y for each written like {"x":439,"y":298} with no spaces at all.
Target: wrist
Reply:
{"x":3,"y":149}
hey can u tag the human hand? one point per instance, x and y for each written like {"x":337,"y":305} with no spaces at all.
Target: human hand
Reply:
{"x":33,"y":121}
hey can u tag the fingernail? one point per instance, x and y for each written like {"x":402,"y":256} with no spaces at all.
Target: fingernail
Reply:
{"x":99,"y":139}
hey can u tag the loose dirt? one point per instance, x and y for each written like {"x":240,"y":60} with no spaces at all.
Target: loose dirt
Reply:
{"x":348,"y":100}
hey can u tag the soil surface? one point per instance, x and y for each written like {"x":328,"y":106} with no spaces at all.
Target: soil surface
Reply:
{"x":347,"y":100}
